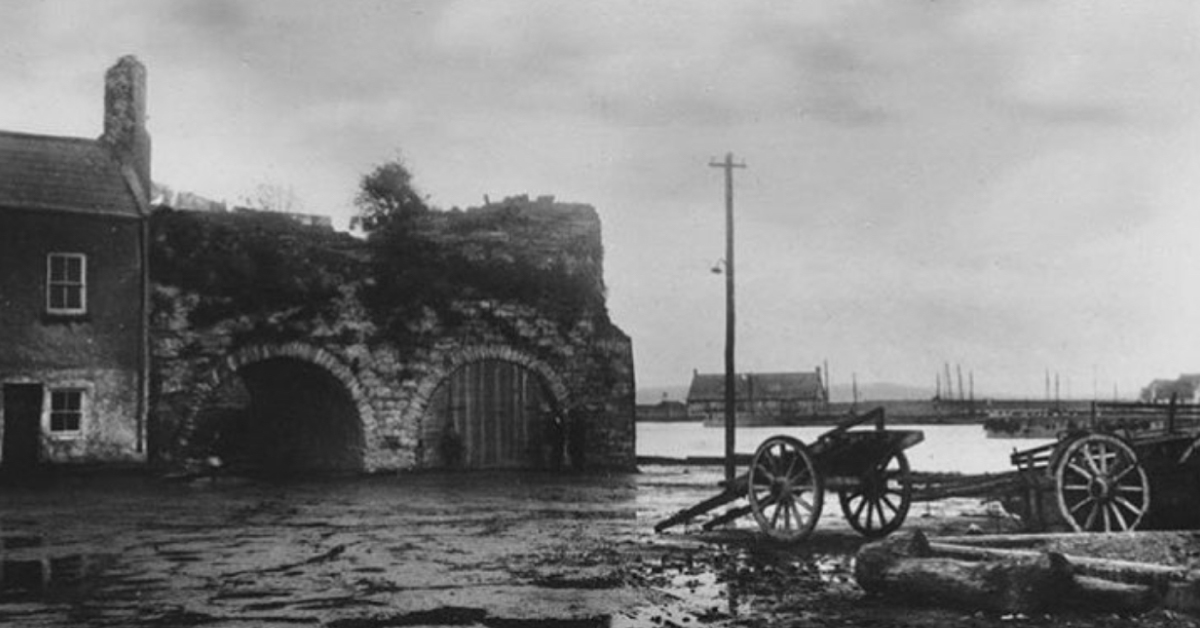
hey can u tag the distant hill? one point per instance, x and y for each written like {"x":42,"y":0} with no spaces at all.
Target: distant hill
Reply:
{"x":878,"y":391}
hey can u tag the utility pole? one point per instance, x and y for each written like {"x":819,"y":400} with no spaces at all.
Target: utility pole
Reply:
{"x":730,"y":374}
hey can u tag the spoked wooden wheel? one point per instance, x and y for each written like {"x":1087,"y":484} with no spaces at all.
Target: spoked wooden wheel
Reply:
{"x":785,"y":491}
{"x":879,"y":504}
{"x":1101,"y":486}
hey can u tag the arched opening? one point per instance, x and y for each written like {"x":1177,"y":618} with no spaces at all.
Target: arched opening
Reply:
{"x":493,"y":414}
{"x":283,"y":414}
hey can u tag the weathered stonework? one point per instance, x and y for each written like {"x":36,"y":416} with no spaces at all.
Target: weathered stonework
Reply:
{"x":585,"y":366}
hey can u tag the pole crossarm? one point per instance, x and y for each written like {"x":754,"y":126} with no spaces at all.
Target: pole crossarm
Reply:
{"x":728,"y":165}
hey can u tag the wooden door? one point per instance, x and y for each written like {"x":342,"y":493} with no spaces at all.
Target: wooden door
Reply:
{"x":493,"y":414}
{"x":22,"y":425}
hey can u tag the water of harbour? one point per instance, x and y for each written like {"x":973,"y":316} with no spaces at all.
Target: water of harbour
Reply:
{"x":946,"y":448}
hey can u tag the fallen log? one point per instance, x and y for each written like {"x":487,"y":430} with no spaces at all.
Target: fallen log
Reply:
{"x":1004,"y":581}
{"x":904,"y":566}
{"x":1111,"y":569}
{"x":1105,"y":596}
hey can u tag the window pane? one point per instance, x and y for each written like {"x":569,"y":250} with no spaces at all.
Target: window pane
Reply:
{"x":66,"y":410}
{"x":58,"y":297}
{"x":64,"y":422}
{"x":74,"y":297}
{"x":74,"y":269}
{"x":67,"y":281}
{"x":58,"y":270}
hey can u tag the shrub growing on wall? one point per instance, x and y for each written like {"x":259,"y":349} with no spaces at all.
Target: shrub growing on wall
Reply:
{"x":415,"y":261}
{"x":247,"y":262}
{"x":424,"y":260}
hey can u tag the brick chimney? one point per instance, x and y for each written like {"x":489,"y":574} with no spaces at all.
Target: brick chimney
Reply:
{"x":125,"y":117}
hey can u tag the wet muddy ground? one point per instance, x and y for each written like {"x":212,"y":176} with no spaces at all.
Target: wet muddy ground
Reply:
{"x":498,"y":550}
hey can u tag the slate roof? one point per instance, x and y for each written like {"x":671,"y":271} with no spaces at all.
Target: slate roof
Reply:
{"x":760,"y":386}
{"x":63,"y":174}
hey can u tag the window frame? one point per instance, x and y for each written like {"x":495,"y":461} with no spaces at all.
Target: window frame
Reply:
{"x":81,"y":411}
{"x":80,"y":285}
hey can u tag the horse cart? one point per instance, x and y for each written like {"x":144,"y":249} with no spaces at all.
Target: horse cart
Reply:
{"x":1100,"y":474}
{"x":786,"y":483}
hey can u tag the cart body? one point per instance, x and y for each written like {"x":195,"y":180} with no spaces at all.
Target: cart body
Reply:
{"x":787,"y":480}
{"x":1132,"y":466}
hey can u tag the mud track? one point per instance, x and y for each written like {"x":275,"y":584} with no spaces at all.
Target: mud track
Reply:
{"x":503,"y":550}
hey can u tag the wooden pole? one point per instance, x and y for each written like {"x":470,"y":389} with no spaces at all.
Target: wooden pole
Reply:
{"x":730,"y":374}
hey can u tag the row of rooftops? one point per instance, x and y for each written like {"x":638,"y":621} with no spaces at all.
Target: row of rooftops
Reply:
{"x":108,"y":175}
{"x":808,"y":386}
{"x":1186,"y":387}
{"x":803,"y":386}
{"x":63,"y":174}
{"x":105,"y":176}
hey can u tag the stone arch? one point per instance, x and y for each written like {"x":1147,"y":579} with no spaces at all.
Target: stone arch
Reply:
{"x":547,"y":378}
{"x":494,"y":352}
{"x":314,"y":359}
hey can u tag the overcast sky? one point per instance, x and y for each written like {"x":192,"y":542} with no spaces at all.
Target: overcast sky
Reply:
{"x":1013,"y":186}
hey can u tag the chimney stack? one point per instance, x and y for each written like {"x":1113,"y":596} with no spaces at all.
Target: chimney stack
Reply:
{"x":125,"y":117}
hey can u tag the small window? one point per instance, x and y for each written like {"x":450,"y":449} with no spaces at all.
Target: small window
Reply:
{"x":66,"y":411}
{"x":66,"y":283}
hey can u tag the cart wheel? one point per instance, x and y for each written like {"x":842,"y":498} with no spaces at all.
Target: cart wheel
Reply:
{"x":1101,"y":486}
{"x":785,"y":491}
{"x":878,"y":506}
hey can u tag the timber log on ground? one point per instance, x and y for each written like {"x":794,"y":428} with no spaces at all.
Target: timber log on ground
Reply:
{"x":911,"y":567}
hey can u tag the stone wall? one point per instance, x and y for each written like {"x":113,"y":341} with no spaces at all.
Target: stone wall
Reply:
{"x":585,"y":360}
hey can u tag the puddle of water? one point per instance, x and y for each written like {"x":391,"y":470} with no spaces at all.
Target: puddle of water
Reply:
{"x":735,"y":582}
{"x":24,"y":576}
{"x":32,"y":568}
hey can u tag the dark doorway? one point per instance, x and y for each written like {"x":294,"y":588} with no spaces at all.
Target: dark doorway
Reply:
{"x":297,"y":417}
{"x":22,"y":425}
{"x":493,"y":414}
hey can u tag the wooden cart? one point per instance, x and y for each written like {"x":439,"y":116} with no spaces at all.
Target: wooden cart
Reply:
{"x":786,"y":482}
{"x":1099,"y":477}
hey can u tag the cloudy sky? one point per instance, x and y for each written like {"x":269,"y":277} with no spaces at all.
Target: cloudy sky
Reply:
{"x":1013,"y":186}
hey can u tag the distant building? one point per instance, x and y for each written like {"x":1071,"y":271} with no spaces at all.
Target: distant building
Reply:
{"x":761,"y":398}
{"x":663,"y":411}
{"x":190,"y":201}
{"x":1185,"y":388}
{"x":73,"y":287}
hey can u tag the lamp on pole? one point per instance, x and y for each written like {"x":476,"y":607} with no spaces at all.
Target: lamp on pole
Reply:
{"x":730,"y":374}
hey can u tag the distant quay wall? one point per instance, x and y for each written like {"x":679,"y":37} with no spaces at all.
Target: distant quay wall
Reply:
{"x":911,"y":412}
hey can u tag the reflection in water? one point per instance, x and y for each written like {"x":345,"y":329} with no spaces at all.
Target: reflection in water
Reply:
{"x":949,"y":448}
{"x":28,"y":569}
{"x":770,"y":573}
